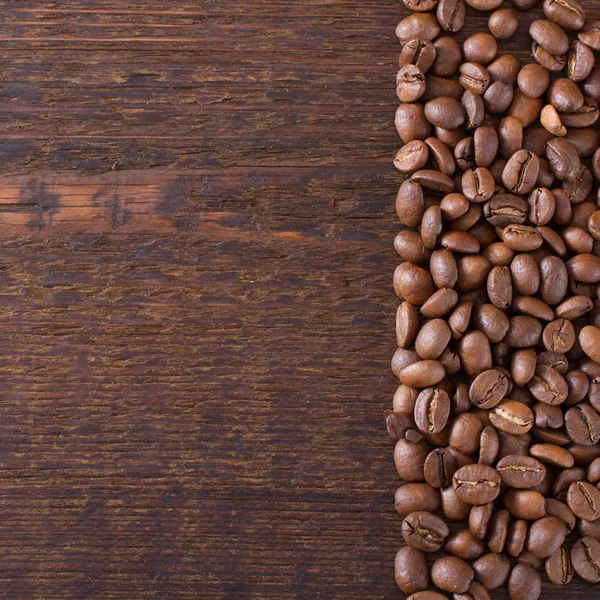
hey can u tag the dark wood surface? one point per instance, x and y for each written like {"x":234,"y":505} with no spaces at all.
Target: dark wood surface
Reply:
{"x":196,"y":217}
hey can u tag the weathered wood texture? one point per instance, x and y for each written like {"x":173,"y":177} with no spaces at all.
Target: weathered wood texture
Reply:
{"x":196,"y":222}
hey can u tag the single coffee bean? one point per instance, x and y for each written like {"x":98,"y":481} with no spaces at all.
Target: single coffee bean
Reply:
{"x":410,"y":83}
{"x":523,"y":332}
{"x":553,"y":455}
{"x":584,"y":268}
{"x":554,"y":280}
{"x":488,"y":388}
{"x":510,"y":136}
{"x":407,"y":324}
{"x":552,"y":240}
{"x":402,"y":358}
{"x":492,"y":570}
{"x":474,"y":77}
{"x":550,"y":36}
{"x":503,"y":23}
{"x":569,"y":14}
{"x":498,"y":97}
{"x":582,"y":423}
{"x":440,"y":466}
{"x":499,"y":287}
{"x":453,"y":508}
{"x":432,"y":339}
{"x":546,"y":536}
{"x":420,"y":5}
{"x":505,"y":68}
{"x":410,"y":203}
{"x":550,"y":119}
{"x":525,"y":274}
{"x":586,"y":116}
{"x":565,"y":95}
{"x":563,"y":481}
{"x":445,"y":112}
{"x":412,"y":283}
{"x":434,"y":181}
{"x":589,"y":339}
{"x":559,"y":567}
{"x":411,"y":123}
{"x":590,"y":34}
{"x":552,"y":62}
{"x":425,"y":373}
{"x":479,"y":520}
{"x":424,"y":531}
{"x":480,"y":48}
{"x":583,"y":499}
{"x":478,"y":184}
{"x":399,"y":424}
{"x":432,"y":410}
{"x":505,"y":209}
{"x":522,"y":366}
{"x":525,"y":504}
{"x":516,"y":537}
{"x":521,"y":172}
{"x":574,"y":307}
{"x":464,"y":544}
{"x":438,"y":87}
{"x":475,"y":353}
{"x":411,"y":157}
{"x":524,"y":583}
{"x":409,"y":459}
{"x":443,"y":268}
{"x":585,"y":556}
{"x":564,"y":159}
{"x":451,"y":14}
{"x":412,"y":497}
{"x":533,"y":80}
{"x":418,"y":25}
{"x":465,"y":432}
{"x":559,"y":336}
{"x":420,"y":53}
{"x":440,"y":304}
{"x":440,"y":156}
{"x":489,"y":445}
{"x":476,"y":484}
{"x":548,"y":416}
{"x":498,"y":530}
{"x":499,"y":254}
{"x":555,"y":508}
{"x":409,"y":245}
{"x":452,"y":574}
{"x":521,"y":238}
{"x":460,"y":242}
{"x":541,"y":206}
{"x":512,"y":417}
{"x":580,"y":61}
{"x":521,"y":472}
{"x":411,"y":571}
{"x":548,"y":386}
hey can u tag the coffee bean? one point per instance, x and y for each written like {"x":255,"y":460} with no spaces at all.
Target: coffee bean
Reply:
{"x":453,"y":508}
{"x":520,"y":472}
{"x":478,"y":185}
{"x":411,"y":123}
{"x":559,"y":567}
{"x":559,"y":336}
{"x":533,"y":80}
{"x":564,"y":159}
{"x":546,"y":536}
{"x":476,"y":484}
{"x":451,"y":574}
{"x":585,"y":556}
{"x":407,"y":325}
{"x":413,"y":283}
{"x":419,"y":25}
{"x":523,"y":332}
{"x":580,"y":60}
{"x":555,"y":508}
{"x":410,"y":247}
{"x":489,"y":445}
{"x":492,"y":570}
{"x":424,"y":531}
{"x":434,"y":181}
{"x":411,"y":571}
{"x":410,"y":203}
{"x":474,"y":77}
{"x":584,"y":268}
{"x":525,"y":274}
{"x":432,"y":410}
{"x":440,"y":304}
{"x":451,"y":14}
{"x":420,"y":53}
{"x":566,"y":13}
{"x":549,"y":36}
{"x":583,"y":499}
{"x":552,"y":62}
{"x":440,"y":156}
{"x":499,"y":287}
{"x":498,"y":531}
{"x":412,"y":497}
{"x":590,"y":34}
{"x":525,"y":583}
{"x":422,"y":374}
{"x":548,"y":386}
{"x":465,"y":432}
{"x":420,"y":5}
{"x":541,"y":206}
{"x":523,"y":365}
{"x":503,"y":23}
{"x":511,"y":417}
{"x":410,"y":83}
{"x":521,"y":238}
{"x":582,"y":423}
{"x":521,"y":172}
{"x":445,"y":112}
{"x":553,"y":455}
{"x":554,"y":280}
{"x":516,"y":537}
{"x":411,"y":157}
{"x":565,"y":96}
{"x":589,"y":339}
{"x":488,"y":388}
{"x":475,"y":353}
{"x":525,"y":504}
{"x":464,"y":545}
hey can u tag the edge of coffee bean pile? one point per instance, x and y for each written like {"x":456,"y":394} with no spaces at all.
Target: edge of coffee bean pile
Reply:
{"x":497,"y":416}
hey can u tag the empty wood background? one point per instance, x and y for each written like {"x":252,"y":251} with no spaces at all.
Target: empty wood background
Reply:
{"x":196,"y":217}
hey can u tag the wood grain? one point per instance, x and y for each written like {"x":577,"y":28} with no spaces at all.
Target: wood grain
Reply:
{"x":196,"y":216}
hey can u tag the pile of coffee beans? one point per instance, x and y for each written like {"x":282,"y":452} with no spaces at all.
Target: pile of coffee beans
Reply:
{"x":497,"y":416}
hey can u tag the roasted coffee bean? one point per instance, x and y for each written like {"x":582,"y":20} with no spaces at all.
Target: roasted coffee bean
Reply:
{"x":465,"y":432}
{"x":488,"y":388}
{"x":521,"y":238}
{"x":412,"y":497}
{"x":474,"y":77}
{"x":407,"y":325}
{"x":492,"y":570}
{"x":498,"y":530}
{"x":445,"y":112}
{"x":399,"y":424}
{"x":565,"y":95}
{"x":524,"y":583}
{"x":499,"y":287}
{"x":510,"y":136}
{"x":422,"y":374}
{"x":583,"y":499}
{"x":484,"y":5}
{"x":475,"y":353}
{"x":452,"y":574}
{"x":522,"y":366}
{"x":499,"y":254}
{"x":453,"y":508}
{"x":440,"y":304}
{"x":584,"y":268}
{"x":433,"y":181}
{"x":498,"y":97}
{"x":550,"y":119}
{"x":580,"y":61}
{"x":404,"y":399}
{"x":546,"y":536}
{"x":411,"y":157}
{"x":432,"y":410}
{"x":438,"y":87}
{"x":411,"y":123}
{"x":548,"y":386}
{"x":505,"y":68}
{"x":464,"y":545}
{"x":521,"y":472}
{"x":491,"y":320}
{"x":525,"y":504}
{"x":552,"y":62}
{"x":582,"y":423}
{"x":489,"y":445}
{"x":533,"y":80}
{"x":503,"y":23}
{"x":563,"y":481}
{"x":480,"y":48}
{"x":424,"y":531}
{"x":554,"y":280}
{"x":451,"y":14}
{"x":476,"y":484}
{"x":523,"y":332}
{"x":409,"y":245}
{"x":559,"y":336}
{"x":411,"y":571}
{"x":521,"y":172}
{"x":549,"y":36}
{"x":440,"y":466}
{"x":440,"y":156}
{"x":418,"y":25}
{"x":512,"y":417}
{"x":409,"y":459}
{"x":555,"y":508}
{"x":590,"y":34}
{"x":410,"y":83}
{"x":553,"y":455}
{"x":412,"y":283}
{"x":585,"y":556}
{"x":432,"y":339}
{"x":559,"y":567}
{"x":420,"y":53}
{"x":410,"y":203}
{"x":569,"y":14}
{"x":548,"y":416}
{"x":444,"y":270}
{"x":478,"y":185}
{"x":564,"y":159}
{"x":525,"y":274}
{"x":516,"y":537}
{"x":541,"y":206}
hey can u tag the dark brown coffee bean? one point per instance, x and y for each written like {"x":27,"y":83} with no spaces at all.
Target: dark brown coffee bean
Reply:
{"x":485,"y":140}
{"x":445,"y":112}
{"x":412,"y":283}
{"x":546,"y":536}
{"x":432,"y":339}
{"x":580,"y":60}
{"x":440,"y":304}
{"x":563,"y":481}
{"x":476,"y":484}
{"x":410,"y":83}
{"x":550,"y":36}
{"x":527,"y":558}
{"x":402,"y":358}
{"x":478,"y":184}
{"x":516,"y":537}
{"x":554,"y":280}
{"x":432,"y":410}
{"x":411,"y":157}
{"x":574,"y":307}
{"x":453,"y":508}
{"x":474,"y":77}
{"x":559,"y":336}
{"x":521,"y":472}
{"x":451,"y":14}
{"x":451,"y":574}
{"x":488,"y":388}
{"x":443,"y":268}
{"x":524,"y":504}
{"x":564,"y":95}
{"x":410,"y":204}
{"x":418,"y":25}
{"x":569,"y":14}
{"x":431,"y":226}
{"x":407,"y":324}
{"x":479,"y":520}
{"x":475,"y":353}
{"x":424,"y":531}
{"x":553,"y":455}
{"x":548,"y":386}
{"x":409,"y":245}
{"x":459,"y":320}
{"x":434,"y":181}
{"x":521,"y":238}
{"x":425,"y":373}
{"x":499,"y":287}
{"x":580,"y":188}
{"x":411,"y":571}
{"x":585,"y":556}
{"x":480,"y":48}
{"x":499,"y":254}
{"x":438,"y":87}
{"x":552,"y":62}
{"x":552,"y":240}
{"x":589,"y":339}
{"x":584,"y":268}
{"x":411,"y":123}
{"x":590,"y":34}
{"x":498,"y":97}
{"x":555,"y":508}
{"x":523,"y":332}
{"x":525,"y":583}
{"x":409,"y":459}
{"x":512,"y":417}
{"x":510,"y":136}
{"x":505,"y":209}
{"x":533,"y":80}
{"x":547,"y":416}
{"x":525,"y":274}
{"x":464,"y":545}
{"x":440,"y":466}
{"x":503,"y":23}
{"x":398,"y":424}
{"x":523,"y":365}
{"x":498,"y":531}
{"x":489,"y":445}
{"x":440,"y":156}
{"x":504,"y":68}
{"x":521,"y":172}
{"x":420,"y":53}
{"x":559,"y":567}
{"x":492,"y":570}
{"x":465,"y":432}
{"x":541,"y":206}
{"x":564,"y":159}
{"x":586,"y":116}
{"x":583,"y":499}
{"x":582,"y":423}
{"x":460,"y":242}
{"x":412,"y":497}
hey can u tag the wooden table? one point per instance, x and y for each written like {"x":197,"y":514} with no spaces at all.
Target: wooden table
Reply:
{"x":196,"y":208}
